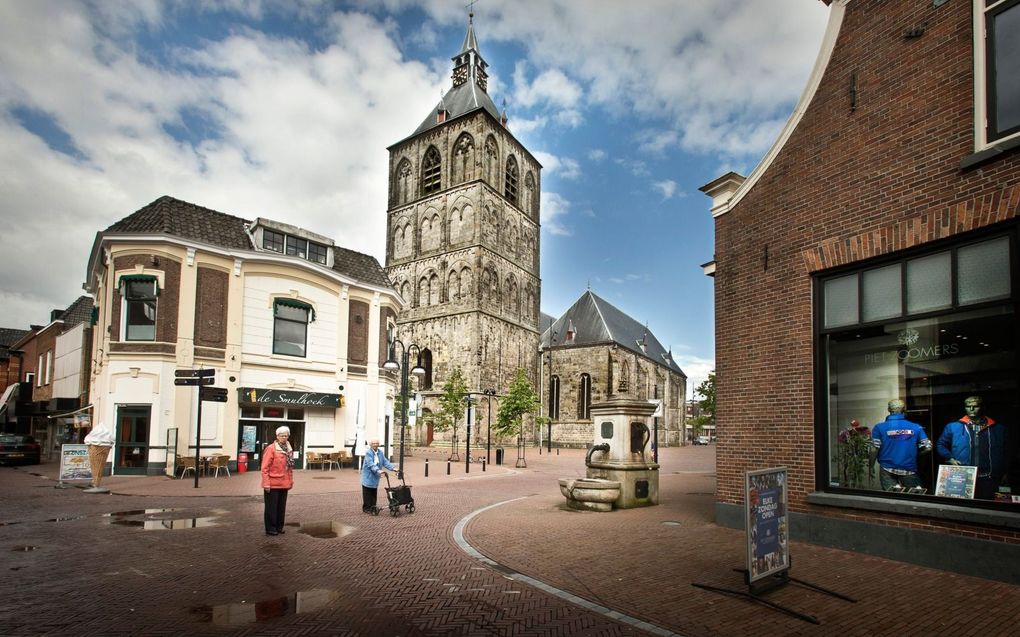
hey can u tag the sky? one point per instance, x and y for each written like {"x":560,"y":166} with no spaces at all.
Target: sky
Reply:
{"x":284,"y":109}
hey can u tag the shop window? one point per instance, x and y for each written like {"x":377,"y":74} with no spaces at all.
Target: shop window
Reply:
{"x":140,"y":293}
{"x":999,"y":98}
{"x":907,"y":351}
{"x":290,"y":326}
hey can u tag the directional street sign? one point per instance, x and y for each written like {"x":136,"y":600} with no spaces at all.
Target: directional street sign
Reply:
{"x":213,"y":394}
{"x":194,"y":373}
{"x":194,"y":381}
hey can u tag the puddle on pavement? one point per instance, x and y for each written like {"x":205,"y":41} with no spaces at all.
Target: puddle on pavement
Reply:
{"x":246,"y":612}
{"x":67,"y":518}
{"x":153,"y":522}
{"x":327,"y":530}
{"x":24,"y":549}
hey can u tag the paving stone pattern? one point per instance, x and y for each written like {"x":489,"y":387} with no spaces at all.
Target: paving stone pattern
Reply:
{"x":88,"y":573}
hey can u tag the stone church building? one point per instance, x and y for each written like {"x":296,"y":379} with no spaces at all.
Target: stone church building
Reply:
{"x":462,"y":244}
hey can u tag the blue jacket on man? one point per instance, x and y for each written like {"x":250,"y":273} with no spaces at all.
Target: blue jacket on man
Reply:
{"x":987,"y":451}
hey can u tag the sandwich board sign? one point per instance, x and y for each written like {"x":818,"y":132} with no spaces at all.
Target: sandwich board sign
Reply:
{"x":766,"y":523}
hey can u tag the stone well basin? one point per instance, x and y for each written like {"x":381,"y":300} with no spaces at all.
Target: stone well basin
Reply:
{"x":590,"y":494}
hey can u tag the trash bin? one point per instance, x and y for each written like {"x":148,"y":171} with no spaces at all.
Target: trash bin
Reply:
{"x":499,"y":455}
{"x":242,"y":463}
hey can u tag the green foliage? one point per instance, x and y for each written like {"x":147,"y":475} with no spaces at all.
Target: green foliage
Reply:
{"x":707,"y":392}
{"x":853,"y":457}
{"x":451,"y":403}
{"x":698,"y":423}
{"x":520,"y":401}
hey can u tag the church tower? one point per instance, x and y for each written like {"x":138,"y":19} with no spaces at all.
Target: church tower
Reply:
{"x":462,"y":245}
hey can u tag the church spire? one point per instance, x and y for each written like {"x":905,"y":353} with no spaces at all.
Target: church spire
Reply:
{"x":468,"y":65}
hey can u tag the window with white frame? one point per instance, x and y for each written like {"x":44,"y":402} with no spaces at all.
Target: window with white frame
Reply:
{"x":290,"y":327}
{"x":908,"y":345}
{"x":140,"y":293}
{"x":997,"y":73}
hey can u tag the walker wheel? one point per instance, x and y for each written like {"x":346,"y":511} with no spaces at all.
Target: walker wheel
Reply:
{"x":410,"y":508}
{"x":375,"y":510}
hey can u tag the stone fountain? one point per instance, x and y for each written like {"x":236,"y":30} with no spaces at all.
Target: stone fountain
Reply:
{"x":620,"y":470}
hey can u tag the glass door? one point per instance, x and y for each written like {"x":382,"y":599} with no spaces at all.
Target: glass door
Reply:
{"x":132,"y":452}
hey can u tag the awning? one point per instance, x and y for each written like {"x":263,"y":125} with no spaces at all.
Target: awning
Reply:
{"x":298,"y":305}
{"x":139,"y":278}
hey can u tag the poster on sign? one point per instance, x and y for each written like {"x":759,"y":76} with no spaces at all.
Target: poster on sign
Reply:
{"x":768,"y":547}
{"x":74,"y":463}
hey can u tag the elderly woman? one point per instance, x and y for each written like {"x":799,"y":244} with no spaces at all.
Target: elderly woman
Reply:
{"x":373,"y":466}
{"x":277,"y":479}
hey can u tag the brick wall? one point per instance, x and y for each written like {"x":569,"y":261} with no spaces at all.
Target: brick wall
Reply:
{"x":850,"y":184}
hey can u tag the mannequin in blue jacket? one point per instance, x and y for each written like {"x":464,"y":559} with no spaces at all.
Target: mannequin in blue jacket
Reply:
{"x":977,"y":441}
{"x":897,"y":443}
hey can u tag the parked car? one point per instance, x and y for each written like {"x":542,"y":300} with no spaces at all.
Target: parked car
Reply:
{"x":701,"y":440}
{"x":19,"y":449}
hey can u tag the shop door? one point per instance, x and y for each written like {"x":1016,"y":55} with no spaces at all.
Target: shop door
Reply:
{"x":132,"y":450}
{"x":255,"y":435}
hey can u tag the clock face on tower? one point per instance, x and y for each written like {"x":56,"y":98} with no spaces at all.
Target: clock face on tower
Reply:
{"x":460,"y":75}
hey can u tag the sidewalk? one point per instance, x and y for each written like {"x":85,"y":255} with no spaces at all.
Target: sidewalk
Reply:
{"x":556,"y":572}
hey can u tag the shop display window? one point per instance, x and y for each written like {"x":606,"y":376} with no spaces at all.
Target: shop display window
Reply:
{"x":918,"y":373}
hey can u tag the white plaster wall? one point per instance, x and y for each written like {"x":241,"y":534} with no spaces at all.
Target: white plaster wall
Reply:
{"x":257,"y":333}
{"x":67,"y":364}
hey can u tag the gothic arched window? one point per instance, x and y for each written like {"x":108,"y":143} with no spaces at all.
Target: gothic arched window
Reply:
{"x":554,"y":397}
{"x":463,"y":159}
{"x":584,"y":397}
{"x":402,"y":183}
{"x":430,"y":171}
{"x":529,"y":206}
{"x":510,"y":180}
{"x":492,"y":162}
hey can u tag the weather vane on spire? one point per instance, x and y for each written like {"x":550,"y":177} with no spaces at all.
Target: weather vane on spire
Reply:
{"x":471,"y":9}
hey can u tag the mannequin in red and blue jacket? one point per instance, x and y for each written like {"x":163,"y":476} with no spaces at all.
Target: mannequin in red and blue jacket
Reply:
{"x":978,"y":441}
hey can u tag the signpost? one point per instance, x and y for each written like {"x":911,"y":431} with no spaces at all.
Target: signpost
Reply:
{"x":200,"y":378}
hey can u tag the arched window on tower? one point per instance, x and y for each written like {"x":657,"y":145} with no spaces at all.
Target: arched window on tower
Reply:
{"x":492,"y":162}
{"x":554,"y":397}
{"x":528,"y":206}
{"x":510,"y":180}
{"x":430,"y":171}
{"x":426,"y":362}
{"x":463,"y":159}
{"x":402,"y":183}
{"x":584,"y":397}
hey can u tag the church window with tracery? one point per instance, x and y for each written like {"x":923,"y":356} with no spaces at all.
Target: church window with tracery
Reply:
{"x":510,"y":182}
{"x":430,"y":171}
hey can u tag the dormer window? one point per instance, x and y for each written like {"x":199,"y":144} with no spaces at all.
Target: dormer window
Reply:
{"x":294,"y":246}
{"x":272,"y":240}
{"x":297,"y":247}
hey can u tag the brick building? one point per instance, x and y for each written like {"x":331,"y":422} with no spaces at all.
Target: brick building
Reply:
{"x":11,"y":368}
{"x":293,"y":326}
{"x":463,"y":239}
{"x":872,"y":256}
{"x":594,"y":351}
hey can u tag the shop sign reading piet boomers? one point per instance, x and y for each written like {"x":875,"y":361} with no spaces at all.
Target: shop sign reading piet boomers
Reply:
{"x":287,"y":397}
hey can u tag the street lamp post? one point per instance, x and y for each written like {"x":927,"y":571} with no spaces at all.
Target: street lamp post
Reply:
{"x":553,"y":387}
{"x":391,"y":363}
{"x":489,"y":393}
{"x":470,"y":400}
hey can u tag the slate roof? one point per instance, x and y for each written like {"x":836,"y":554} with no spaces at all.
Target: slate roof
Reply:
{"x":177,"y":218}
{"x":9,"y":336}
{"x":78,"y":312}
{"x":598,"y":322}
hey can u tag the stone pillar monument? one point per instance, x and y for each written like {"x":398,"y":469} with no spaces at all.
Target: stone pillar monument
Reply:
{"x":623,"y":423}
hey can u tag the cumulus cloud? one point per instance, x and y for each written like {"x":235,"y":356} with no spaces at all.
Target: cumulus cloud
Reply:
{"x":564,"y":167}
{"x":667,"y":188}
{"x":597,"y":154}
{"x":555,"y":208}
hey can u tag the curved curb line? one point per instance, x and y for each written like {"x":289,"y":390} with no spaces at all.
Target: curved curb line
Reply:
{"x":458,"y":536}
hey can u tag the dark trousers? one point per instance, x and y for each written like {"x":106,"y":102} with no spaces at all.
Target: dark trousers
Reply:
{"x":276,"y":509}
{"x":368,"y":497}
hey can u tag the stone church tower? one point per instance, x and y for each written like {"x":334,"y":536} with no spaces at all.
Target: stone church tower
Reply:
{"x":462,"y":245}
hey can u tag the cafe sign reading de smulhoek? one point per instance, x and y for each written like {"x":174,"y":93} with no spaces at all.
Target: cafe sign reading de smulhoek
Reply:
{"x":288,"y":397}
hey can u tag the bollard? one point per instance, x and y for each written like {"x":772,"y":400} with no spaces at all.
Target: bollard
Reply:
{"x":447,"y":467}
{"x":557,"y":451}
{"x":426,"y":467}
{"x":483,"y":465}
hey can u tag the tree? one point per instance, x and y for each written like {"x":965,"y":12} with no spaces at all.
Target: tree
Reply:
{"x":520,"y":401}
{"x":451,"y":406}
{"x":706,"y":406}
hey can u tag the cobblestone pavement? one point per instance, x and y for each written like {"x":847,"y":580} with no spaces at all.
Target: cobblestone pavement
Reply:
{"x":161,"y":557}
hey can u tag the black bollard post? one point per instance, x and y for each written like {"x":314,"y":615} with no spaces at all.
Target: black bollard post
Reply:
{"x":557,"y":451}
{"x":426,"y":467}
{"x":447,"y":467}
{"x":483,"y":465}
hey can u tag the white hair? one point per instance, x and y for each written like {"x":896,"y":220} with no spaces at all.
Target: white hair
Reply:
{"x":282,"y":429}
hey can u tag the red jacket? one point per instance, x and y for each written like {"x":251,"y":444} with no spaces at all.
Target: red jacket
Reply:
{"x":275,"y":474}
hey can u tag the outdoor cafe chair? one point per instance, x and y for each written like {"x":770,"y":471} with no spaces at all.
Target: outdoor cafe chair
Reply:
{"x":186,"y":464}
{"x":333,"y":459}
{"x":218,"y":462}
